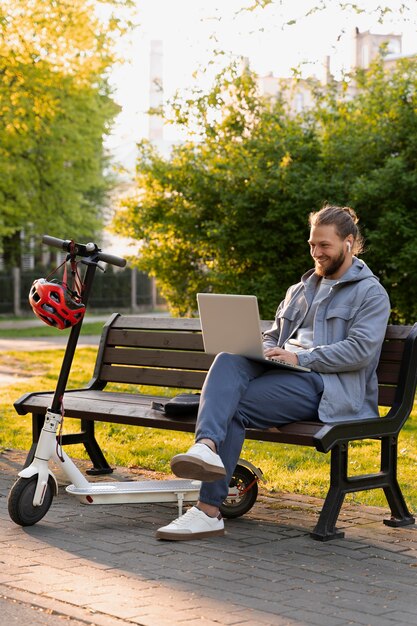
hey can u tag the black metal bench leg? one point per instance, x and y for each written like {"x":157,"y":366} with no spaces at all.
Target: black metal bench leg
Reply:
{"x":37,"y":425}
{"x":325,"y":529}
{"x":100,"y":465}
{"x":86,"y":436}
{"x":400,"y":515}
{"x":30,"y":455}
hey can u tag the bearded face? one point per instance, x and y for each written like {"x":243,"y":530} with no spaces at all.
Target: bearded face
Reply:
{"x":328,"y":266}
{"x":329,"y":251}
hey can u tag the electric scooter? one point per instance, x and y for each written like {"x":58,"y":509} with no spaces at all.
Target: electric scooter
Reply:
{"x":32,"y":494}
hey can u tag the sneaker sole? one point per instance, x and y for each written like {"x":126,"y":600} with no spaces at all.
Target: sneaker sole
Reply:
{"x":185,"y":467}
{"x":189,"y":536}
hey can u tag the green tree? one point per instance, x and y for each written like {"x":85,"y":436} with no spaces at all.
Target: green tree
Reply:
{"x":369,"y":154}
{"x":228,"y":210}
{"x":55,"y":108}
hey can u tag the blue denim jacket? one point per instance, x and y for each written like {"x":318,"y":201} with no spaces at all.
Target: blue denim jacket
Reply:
{"x":349,"y":328}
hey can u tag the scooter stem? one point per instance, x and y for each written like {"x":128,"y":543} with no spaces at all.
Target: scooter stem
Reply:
{"x":72,"y":341}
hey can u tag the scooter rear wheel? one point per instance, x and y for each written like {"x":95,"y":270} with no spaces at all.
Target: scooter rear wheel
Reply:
{"x":247,"y":486}
{"x":20,"y":502}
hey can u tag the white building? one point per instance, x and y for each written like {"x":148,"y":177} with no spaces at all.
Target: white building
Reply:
{"x":297,"y":92}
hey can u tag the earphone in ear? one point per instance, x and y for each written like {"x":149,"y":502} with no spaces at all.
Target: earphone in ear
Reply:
{"x":349,"y":246}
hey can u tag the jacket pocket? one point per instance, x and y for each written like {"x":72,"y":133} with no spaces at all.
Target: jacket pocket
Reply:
{"x":289,"y":313}
{"x":286,"y":321}
{"x":343,"y":397}
{"x":339,"y":320}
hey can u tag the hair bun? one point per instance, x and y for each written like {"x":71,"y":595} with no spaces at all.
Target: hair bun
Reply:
{"x":352,"y":214}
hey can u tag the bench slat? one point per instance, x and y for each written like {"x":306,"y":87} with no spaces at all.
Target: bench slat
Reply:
{"x":147,"y":376}
{"x":158,"y":358}
{"x":386,"y":395}
{"x":179,"y":324}
{"x":114,"y":407}
{"x":392,"y":350}
{"x":162,"y":339}
{"x":134,"y":409}
{"x":388,"y":373}
{"x":157,"y":323}
{"x":395,"y":331}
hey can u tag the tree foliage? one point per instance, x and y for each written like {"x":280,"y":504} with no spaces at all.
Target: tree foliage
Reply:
{"x":369,"y":148}
{"x":219,"y":214}
{"x":55,"y":108}
{"x":227,"y":211}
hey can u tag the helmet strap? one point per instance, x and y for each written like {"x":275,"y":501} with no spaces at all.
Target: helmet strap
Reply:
{"x":77,"y":286}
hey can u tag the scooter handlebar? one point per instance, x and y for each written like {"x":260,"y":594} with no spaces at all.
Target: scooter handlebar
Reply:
{"x":56,"y":243}
{"x":84,"y":250}
{"x":112,"y":259}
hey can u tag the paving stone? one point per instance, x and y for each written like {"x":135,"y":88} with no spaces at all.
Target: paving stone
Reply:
{"x":106,"y":562}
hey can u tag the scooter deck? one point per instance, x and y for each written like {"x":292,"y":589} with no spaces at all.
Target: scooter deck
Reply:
{"x":145,"y":491}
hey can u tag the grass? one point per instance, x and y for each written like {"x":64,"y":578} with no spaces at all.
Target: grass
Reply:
{"x":286,"y":468}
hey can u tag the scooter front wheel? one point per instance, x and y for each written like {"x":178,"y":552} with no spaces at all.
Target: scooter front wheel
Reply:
{"x":20,"y":502}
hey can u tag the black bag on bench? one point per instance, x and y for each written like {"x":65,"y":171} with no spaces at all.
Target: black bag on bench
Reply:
{"x":185,"y":404}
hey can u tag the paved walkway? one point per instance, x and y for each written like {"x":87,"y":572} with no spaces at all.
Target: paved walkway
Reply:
{"x":9,"y":375}
{"x":33,"y":321}
{"x":103,"y":566}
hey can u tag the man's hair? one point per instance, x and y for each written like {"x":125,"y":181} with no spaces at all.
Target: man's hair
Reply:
{"x":344,"y":220}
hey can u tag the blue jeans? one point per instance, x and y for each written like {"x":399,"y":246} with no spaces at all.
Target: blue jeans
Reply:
{"x":239,"y":393}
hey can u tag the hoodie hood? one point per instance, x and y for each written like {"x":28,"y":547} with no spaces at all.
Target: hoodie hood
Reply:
{"x":358,"y":271}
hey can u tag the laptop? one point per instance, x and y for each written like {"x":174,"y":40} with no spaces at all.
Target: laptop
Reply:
{"x":230,"y":323}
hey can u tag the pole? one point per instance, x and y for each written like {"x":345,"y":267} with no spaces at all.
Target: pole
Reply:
{"x":16,"y":291}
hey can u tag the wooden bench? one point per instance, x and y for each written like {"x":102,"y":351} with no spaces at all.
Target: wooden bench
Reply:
{"x":169,"y":353}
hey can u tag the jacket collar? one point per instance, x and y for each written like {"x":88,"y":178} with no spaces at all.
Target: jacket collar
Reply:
{"x":357,"y":271}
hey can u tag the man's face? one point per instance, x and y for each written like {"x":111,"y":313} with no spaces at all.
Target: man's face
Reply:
{"x":328,"y":251}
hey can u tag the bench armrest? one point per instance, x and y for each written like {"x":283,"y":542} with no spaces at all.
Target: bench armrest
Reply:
{"x":371,"y":428}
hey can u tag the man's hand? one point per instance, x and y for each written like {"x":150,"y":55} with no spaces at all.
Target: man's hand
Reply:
{"x":281,"y":355}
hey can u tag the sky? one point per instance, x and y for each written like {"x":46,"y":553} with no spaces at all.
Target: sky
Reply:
{"x":191,"y":30}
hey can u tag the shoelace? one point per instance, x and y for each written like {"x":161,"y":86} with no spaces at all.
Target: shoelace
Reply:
{"x":189,"y":515}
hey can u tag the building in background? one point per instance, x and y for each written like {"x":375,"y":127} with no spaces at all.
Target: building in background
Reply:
{"x":297,"y":92}
{"x":366,"y":47}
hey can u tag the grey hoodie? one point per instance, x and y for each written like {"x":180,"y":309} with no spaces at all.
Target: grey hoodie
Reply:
{"x":349,"y":328}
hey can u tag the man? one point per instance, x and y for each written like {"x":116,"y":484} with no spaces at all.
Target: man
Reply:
{"x":333,"y":322}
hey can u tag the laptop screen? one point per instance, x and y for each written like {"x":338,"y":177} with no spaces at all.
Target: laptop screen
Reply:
{"x":230,"y":323}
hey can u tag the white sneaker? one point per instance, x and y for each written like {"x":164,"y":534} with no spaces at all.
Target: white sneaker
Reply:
{"x":199,"y":463}
{"x":194,"y":524}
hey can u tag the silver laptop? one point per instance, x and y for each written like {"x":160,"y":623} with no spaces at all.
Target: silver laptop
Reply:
{"x":230,"y":323}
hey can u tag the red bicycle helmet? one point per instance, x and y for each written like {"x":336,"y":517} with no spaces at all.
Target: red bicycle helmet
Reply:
{"x":55,"y":304}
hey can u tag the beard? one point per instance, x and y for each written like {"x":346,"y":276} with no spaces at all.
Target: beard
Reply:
{"x":332,"y":268}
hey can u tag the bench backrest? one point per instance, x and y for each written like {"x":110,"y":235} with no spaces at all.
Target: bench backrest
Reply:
{"x":145,"y":351}
{"x":397,"y":373}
